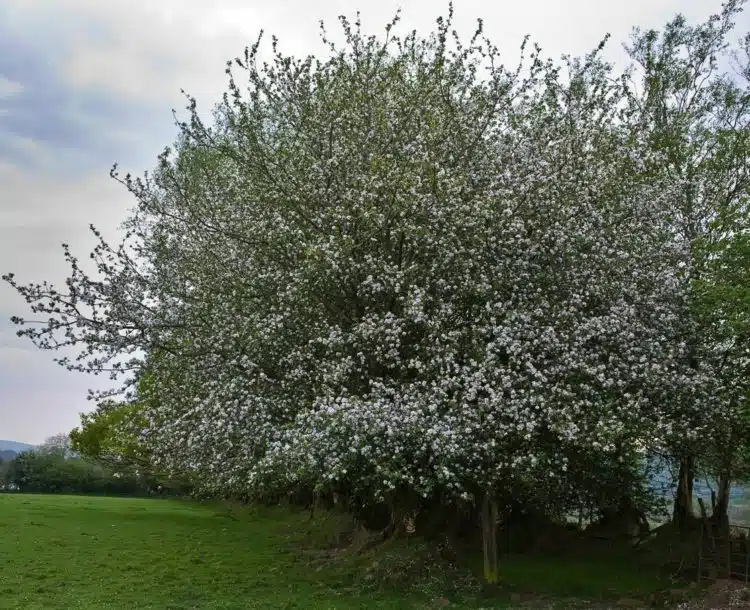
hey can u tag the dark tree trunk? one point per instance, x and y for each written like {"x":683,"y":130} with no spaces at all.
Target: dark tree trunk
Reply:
{"x":683,"y":515}
{"x":721,"y":509}
{"x":489,"y":538}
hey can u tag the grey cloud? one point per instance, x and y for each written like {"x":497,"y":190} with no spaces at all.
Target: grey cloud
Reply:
{"x":145,"y":50}
{"x":9,"y":88}
{"x":37,"y":397}
{"x":88,"y":128}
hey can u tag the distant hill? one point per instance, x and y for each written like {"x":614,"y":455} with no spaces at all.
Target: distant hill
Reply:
{"x":14,"y":446}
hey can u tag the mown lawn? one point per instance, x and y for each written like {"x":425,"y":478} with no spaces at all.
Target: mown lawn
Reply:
{"x":76,"y":552}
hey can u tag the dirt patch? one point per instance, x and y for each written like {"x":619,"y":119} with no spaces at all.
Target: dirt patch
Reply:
{"x":721,"y":595}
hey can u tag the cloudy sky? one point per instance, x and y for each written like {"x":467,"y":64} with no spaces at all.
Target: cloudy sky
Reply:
{"x":85,"y":83}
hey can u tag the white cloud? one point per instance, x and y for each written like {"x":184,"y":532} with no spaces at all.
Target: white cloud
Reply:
{"x":40,"y":211}
{"x":37,"y":397}
{"x":35,"y":152}
{"x":9,"y":88}
{"x":147,"y":51}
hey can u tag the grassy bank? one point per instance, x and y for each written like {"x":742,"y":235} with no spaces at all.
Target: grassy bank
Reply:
{"x":78,"y":552}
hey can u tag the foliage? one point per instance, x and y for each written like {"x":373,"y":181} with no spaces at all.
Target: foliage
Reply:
{"x":57,"y":445}
{"x":4,"y":465}
{"x":51,"y":472}
{"x":697,"y":116}
{"x":105,"y":435}
{"x":723,"y":306}
{"x":109,"y":435}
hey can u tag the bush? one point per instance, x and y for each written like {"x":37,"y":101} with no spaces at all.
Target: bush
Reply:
{"x":33,"y":471}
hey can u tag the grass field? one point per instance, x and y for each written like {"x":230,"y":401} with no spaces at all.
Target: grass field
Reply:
{"x":76,"y":552}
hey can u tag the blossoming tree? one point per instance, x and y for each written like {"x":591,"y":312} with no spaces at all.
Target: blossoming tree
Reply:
{"x":404,"y":272}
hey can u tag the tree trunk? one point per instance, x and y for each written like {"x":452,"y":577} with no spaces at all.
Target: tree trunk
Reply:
{"x":683,"y":514}
{"x":489,"y":538}
{"x":720,"y":514}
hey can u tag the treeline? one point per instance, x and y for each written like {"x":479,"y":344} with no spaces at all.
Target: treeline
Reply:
{"x":53,"y":472}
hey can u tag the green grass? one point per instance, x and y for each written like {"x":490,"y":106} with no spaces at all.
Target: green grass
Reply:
{"x":76,"y":552}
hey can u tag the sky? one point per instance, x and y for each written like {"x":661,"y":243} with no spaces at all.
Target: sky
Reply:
{"x":85,"y":83}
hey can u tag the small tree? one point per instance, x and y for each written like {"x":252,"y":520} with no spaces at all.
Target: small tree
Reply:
{"x":57,"y":445}
{"x":106,"y":435}
{"x":697,"y":117}
{"x":723,"y":306}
